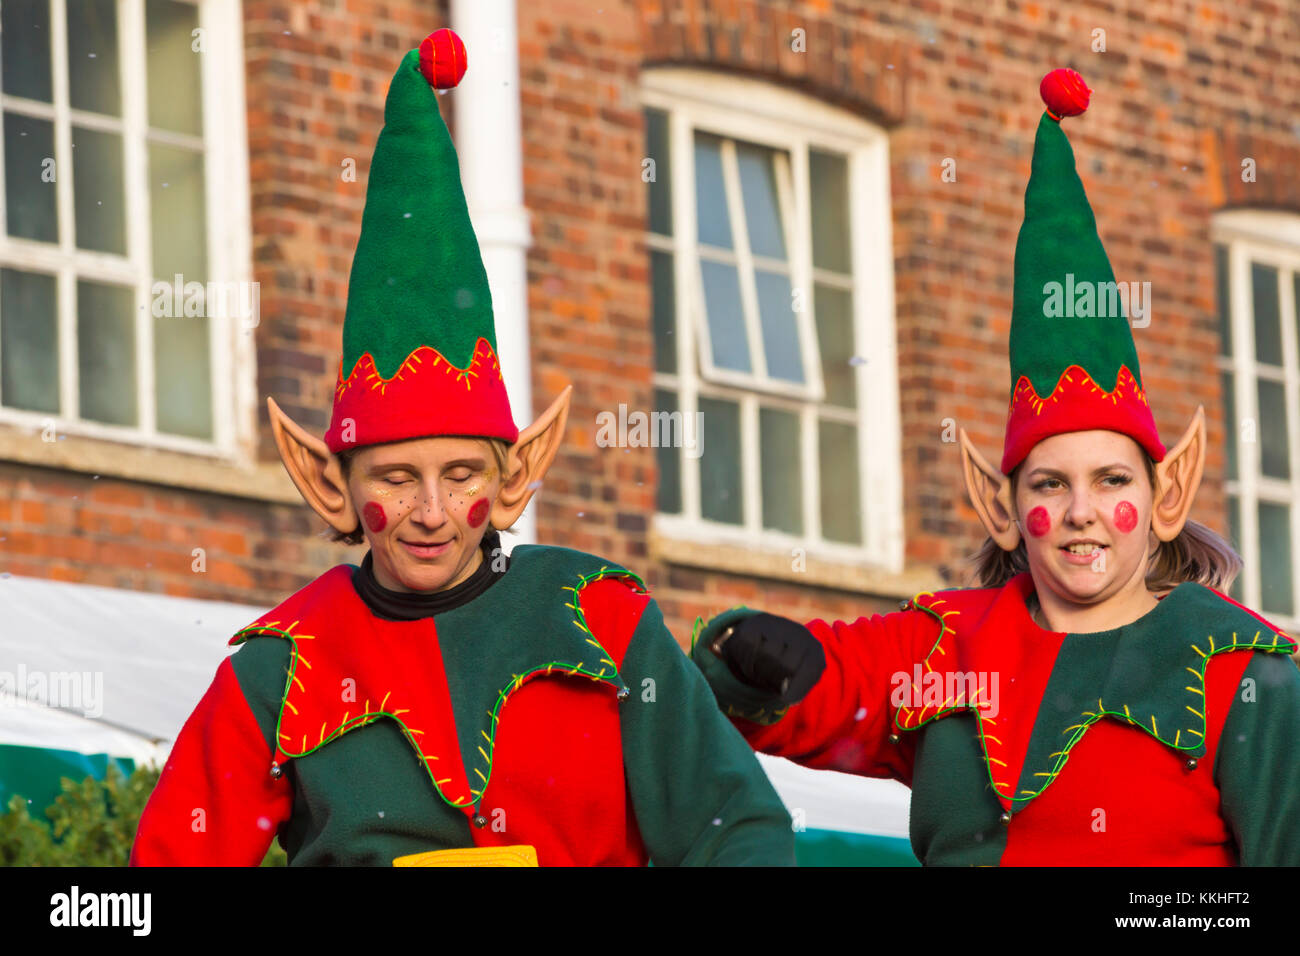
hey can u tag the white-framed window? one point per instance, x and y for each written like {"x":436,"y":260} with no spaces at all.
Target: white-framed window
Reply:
{"x":123,"y":163}
{"x":772,"y":282}
{"x":1257,"y":267}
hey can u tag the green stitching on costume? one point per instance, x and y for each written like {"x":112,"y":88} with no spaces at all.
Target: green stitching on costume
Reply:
{"x":943,"y":631}
{"x":1093,"y":717}
{"x":695,"y":632}
{"x":518,"y":680}
{"x":361,"y":719}
{"x":1175,"y":744}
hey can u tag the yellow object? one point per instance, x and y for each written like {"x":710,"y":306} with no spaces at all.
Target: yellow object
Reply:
{"x":522,"y":855}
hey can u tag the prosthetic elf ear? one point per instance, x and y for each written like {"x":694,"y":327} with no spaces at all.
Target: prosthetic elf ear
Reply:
{"x":1178,"y":476}
{"x":529,"y":459}
{"x":316,"y":472}
{"x":990,"y":495}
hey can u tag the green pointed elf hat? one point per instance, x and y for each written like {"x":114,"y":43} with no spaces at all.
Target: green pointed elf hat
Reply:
{"x":419,"y":345}
{"x":1074,"y":366}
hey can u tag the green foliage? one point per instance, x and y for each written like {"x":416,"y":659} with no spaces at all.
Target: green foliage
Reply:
{"x":92,"y":823}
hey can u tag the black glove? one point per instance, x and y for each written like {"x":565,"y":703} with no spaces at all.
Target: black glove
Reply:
{"x":774,"y":654}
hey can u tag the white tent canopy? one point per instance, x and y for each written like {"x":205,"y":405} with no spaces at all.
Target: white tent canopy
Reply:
{"x":154,"y":656}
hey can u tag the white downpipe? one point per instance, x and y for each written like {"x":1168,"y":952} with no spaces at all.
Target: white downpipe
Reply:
{"x":489,"y":142}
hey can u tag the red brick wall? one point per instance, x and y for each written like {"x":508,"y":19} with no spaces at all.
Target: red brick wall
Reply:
{"x":1182,"y":94}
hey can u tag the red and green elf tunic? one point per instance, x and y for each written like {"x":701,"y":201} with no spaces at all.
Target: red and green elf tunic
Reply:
{"x":553,"y":710}
{"x":1171,"y":741}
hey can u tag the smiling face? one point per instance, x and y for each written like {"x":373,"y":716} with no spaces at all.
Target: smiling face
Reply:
{"x":424,"y":506}
{"x":1084,"y":501}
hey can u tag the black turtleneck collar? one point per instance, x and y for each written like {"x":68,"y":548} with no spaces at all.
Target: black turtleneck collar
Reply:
{"x":413,"y":605}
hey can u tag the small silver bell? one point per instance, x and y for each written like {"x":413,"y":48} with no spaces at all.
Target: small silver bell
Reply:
{"x":276,"y":772}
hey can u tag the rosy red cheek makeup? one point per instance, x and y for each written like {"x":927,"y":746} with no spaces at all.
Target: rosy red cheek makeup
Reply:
{"x":1126,"y":516}
{"x":478,"y":513}
{"x":374,"y":515}
{"x":1038,"y":522}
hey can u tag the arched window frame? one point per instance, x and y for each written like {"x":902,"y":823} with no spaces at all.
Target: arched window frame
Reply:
{"x":760,"y":112}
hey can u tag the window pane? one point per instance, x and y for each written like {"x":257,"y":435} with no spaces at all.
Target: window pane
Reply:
{"x":175,"y":100}
{"x":182,"y":375}
{"x":1275,"y":559}
{"x":1234,"y":538}
{"x":29,"y":193}
{"x":726,"y":321}
{"x":1295,"y":281}
{"x":99,"y":196}
{"x":177,"y":213}
{"x":781,"y":472}
{"x":1268,"y":325}
{"x":29,"y":341}
{"x":762,"y":207}
{"x":720,"y":489}
{"x":662,"y":289}
{"x":834,"y":308}
{"x":712,"y":221}
{"x":1272,"y":430}
{"x":1222,"y":300}
{"x":660,"y":191}
{"x":1231,"y":427}
{"x":829,"y":183}
{"x":25,"y":48}
{"x":106,"y":353}
{"x":93,"y":82}
{"x":669,"y":460}
{"x":837,"y":445}
{"x":780,"y":333}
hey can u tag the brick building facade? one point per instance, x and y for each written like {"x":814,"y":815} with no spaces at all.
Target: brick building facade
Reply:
{"x":1193,"y":118}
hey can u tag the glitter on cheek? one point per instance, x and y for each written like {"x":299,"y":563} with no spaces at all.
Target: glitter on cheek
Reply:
{"x":1126,"y":516}
{"x":478,"y":514}
{"x":1039,"y":522}
{"x":376,"y":520}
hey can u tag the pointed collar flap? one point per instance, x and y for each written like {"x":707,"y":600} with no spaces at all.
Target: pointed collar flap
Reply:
{"x":1036,"y":692}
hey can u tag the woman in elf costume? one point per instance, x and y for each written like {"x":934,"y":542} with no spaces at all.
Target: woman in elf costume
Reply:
{"x":1098,"y":700}
{"x":443,"y":704}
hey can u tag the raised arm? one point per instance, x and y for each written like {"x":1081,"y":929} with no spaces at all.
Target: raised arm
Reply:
{"x":845,"y":721}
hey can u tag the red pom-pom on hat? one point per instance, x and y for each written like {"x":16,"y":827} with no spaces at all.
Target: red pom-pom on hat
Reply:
{"x":1065,"y":93}
{"x":442,"y":59}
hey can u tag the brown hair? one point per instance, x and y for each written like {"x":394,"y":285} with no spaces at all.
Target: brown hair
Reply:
{"x":500,"y":451}
{"x":1197,"y":554}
